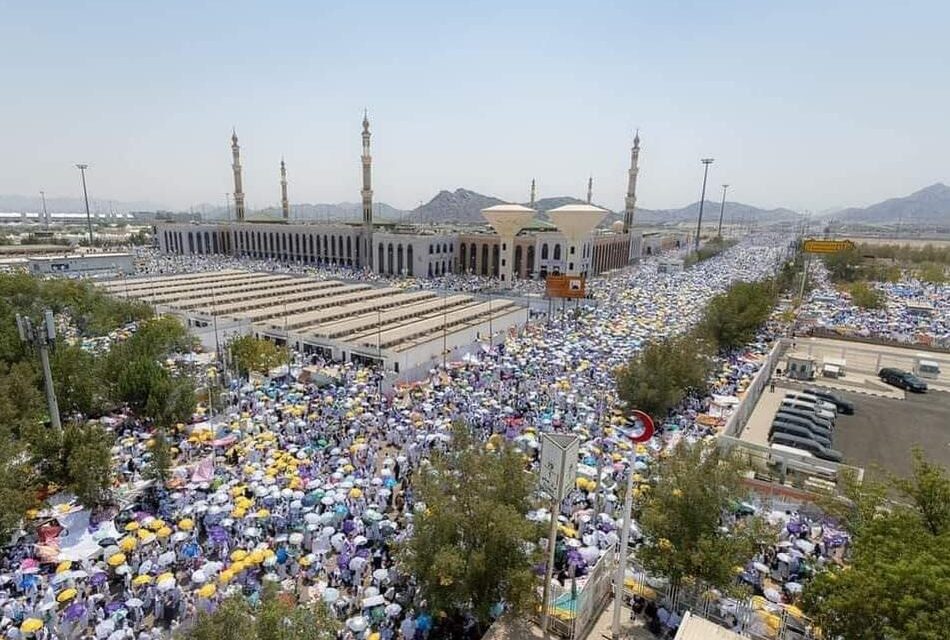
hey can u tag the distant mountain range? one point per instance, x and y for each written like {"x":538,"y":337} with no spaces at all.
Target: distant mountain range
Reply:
{"x":928,"y":207}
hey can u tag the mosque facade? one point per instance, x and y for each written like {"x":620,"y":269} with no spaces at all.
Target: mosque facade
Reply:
{"x":398,"y":249}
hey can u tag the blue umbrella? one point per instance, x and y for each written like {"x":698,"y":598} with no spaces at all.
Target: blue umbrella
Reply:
{"x":191,"y":550}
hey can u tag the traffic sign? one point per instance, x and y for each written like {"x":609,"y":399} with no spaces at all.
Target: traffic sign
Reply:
{"x":643,"y":423}
{"x":558,"y":463}
{"x":827,"y":246}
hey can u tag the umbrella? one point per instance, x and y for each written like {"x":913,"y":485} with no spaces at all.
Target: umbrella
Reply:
{"x":133,"y":602}
{"x":143,"y":579}
{"x":116,"y":559}
{"x":374,"y":601}
{"x":393,"y":610}
{"x":357,"y":624}
{"x":31,"y":624}
{"x":331,"y":595}
{"x":207,"y":591}
{"x":199,"y":577}
{"x":75,"y":611}
{"x":66,"y":595}
{"x":60,"y":578}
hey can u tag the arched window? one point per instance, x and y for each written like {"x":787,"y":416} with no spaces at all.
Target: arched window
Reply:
{"x":191,"y":242}
{"x":349,"y":250}
{"x":409,"y":260}
{"x":544,"y":251}
{"x":445,"y":248}
{"x":530,"y":269}
{"x":379,"y":261}
{"x":495,"y":259}
{"x":517,"y":266}
{"x":389,"y":258}
{"x":557,"y":252}
{"x":484,"y":259}
{"x":430,"y":269}
{"x":399,"y":258}
{"x":462,"y":252}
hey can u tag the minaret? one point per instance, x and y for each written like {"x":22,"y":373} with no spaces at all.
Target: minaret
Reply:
{"x":630,"y":202}
{"x":238,"y":188}
{"x":533,"y":193}
{"x":367,"y":194}
{"x":590,"y":189}
{"x":284,"y":204}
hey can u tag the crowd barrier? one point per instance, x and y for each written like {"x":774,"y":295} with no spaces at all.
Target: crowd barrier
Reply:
{"x":572,"y":613}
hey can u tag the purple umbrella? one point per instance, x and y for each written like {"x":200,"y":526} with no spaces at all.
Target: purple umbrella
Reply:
{"x":75,"y":611}
{"x":794,"y":527}
{"x":114,"y":606}
{"x":97,"y":579}
{"x":343,"y":561}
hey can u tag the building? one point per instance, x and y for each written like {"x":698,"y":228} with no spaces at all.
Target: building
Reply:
{"x":539,"y":248}
{"x":87,"y":264}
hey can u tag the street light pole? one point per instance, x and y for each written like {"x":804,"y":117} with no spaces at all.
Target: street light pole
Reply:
{"x":702,"y":200}
{"x":85,"y":194}
{"x":722,"y":207}
{"x":45,"y":214}
{"x":43,"y":338}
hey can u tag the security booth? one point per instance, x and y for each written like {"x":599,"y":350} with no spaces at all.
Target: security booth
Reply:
{"x":800,"y":366}
{"x":833,"y":368}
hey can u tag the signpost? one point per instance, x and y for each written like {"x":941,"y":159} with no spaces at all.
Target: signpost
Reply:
{"x":640,"y":429}
{"x":558,"y":286}
{"x":558,"y":472}
{"x":827,"y":246}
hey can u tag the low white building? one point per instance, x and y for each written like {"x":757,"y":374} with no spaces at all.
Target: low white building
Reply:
{"x":81,"y":264}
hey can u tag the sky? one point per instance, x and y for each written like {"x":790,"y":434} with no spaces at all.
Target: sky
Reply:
{"x":806,"y":105}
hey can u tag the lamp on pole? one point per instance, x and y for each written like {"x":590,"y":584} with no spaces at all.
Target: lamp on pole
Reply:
{"x":702,"y":199}
{"x":45,"y":213}
{"x":722,"y":207}
{"x":85,"y":194}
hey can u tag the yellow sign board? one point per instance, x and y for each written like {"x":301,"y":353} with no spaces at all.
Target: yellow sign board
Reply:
{"x":827,"y":246}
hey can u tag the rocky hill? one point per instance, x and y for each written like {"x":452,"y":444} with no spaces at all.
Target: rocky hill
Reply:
{"x":461,"y":206}
{"x":929,"y":206}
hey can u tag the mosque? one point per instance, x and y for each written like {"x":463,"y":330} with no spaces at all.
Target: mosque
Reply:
{"x":539,"y":247}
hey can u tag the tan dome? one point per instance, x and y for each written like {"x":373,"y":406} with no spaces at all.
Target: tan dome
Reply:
{"x":617,"y":226}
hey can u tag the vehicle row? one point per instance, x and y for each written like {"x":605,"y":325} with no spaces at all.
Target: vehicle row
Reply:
{"x":805,"y":421}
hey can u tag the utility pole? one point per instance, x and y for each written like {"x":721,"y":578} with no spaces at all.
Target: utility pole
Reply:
{"x":722,"y":207}
{"x":85,"y":194}
{"x":445,"y":312}
{"x":42,"y":338}
{"x":45,"y":214}
{"x":702,"y":200}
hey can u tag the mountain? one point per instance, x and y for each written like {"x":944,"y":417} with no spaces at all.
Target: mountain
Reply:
{"x":929,"y":206}
{"x":461,"y":205}
{"x":732,"y":211}
{"x":34,"y":204}
{"x":338,"y":212}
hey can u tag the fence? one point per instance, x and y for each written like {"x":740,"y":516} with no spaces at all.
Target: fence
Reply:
{"x":737,"y":421}
{"x":756,"y":617}
{"x":572,"y":612}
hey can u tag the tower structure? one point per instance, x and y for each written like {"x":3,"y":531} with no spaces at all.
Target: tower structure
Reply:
{"x":367,"y":196}
{"x":630,"y":202}
{"x":533,"y":193}
{"x":590,"y":189}
{"x":284,"y":203}
{"x":238,"y":185}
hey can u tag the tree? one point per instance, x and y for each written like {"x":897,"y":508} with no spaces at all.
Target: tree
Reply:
{"x":659,"y":377}
{"x":16,"y":478}
{"x":843,"y":265}
{"x":933,"y":273}
{"x":161,"y":460}
{"x":78,"y":458}
{"x":468,"y":548}
{"x":76,"y":380}
{"x":732,"y":318}
{"x":255,"y":354}
{"x":898,"y":582}
{"x":865,"y":297}
{"x":695,"y":486}
{"x":276,"y":617}
{"x":22,"y":403}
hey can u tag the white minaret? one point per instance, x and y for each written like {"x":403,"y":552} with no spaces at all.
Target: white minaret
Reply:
{"x":630,"y":202}
{"x":236,"y":167}
{"x":367,"y":195}
{"x":590,"y":189}
{"x":284,"y":203}
{"x":533,"y":193}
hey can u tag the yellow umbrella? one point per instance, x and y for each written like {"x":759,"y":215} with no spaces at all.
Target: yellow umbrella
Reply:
{"x":116,"y":559}
{"x":132,"y":526}
{"x":66,"y":595}
{"x":207,"y":591}
{"x":156,"y":524}
{"x":31,"y":624}
{"x":238,"y":554}
{"x":356,"y":493}
{"x":143,"y":579}
{"x":256,"y":557}
{"x":128,"y":543}
{"x":168,"y":575}
{"x":164,"y":532}
{"x":263,"y":513}
{"x":63,"y":566}
{"x":226,"y":576}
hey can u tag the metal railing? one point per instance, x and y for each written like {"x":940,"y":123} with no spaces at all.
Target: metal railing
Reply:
{"x":573,"y":611}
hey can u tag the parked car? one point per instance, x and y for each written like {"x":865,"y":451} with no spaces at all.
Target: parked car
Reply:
{"x":807,"y":406}
{"x":813,"y":417}
{"x":804,"y":422}
{"x":844,"y":406}
{"x":807,"y":397}
{"x":786,"y":428}
{"x":807,"y":445}
{"x":902,"y":379}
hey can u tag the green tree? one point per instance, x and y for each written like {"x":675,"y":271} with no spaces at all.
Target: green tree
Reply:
{"x":250,"y":354}
{"x":865,"y":297}
{"x":695,"y":486}
{"x":468,"y":548}
{"x":732,"y":318}
{"x":16,"y":480}
{"x":843,"y":265}
{"x":933,"y":272}
{"x":76,"y":380}
{"x":898,"y":581}
{"x":22,"y":403}
{"x":276,"y":617}
{"x":660,"y":376}
{"x":77,"y":458}
{"x":161,"y":460}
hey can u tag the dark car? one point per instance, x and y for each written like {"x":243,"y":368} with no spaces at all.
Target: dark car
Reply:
{"x":808,"y":415}
{"x":805,"y":444}
{"x":803,"y":422}
{"x":902,"y":379}
{"x":843,"y":405}
{"x":789,"y":429}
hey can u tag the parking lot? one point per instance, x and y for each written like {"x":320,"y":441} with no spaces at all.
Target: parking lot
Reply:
{"x":882,"y":431}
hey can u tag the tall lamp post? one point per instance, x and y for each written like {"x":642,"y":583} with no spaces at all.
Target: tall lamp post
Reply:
{"x":702,"y":200}
{"x":45,"y":213}
{"x":85,"y":194}
{"x":722,"y":207}
{"x":42,"y":337}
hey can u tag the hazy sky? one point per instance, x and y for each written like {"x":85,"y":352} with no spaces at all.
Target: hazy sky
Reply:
{"x":802,"y":104}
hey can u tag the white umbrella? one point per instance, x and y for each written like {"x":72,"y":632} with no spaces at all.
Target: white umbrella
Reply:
{"x":134,"y":602}
{"x":762,"y":568}
{"x":393,"y":610}
{"x":199,"y":577}
{"x":357,"y":624}
{"x":805,"y":545}
{"x":166,"y":558}
{"x":374,"y":601}
{"x":331,"y":595}
{"x":295,"y":538}
{"x":381,"y":574}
